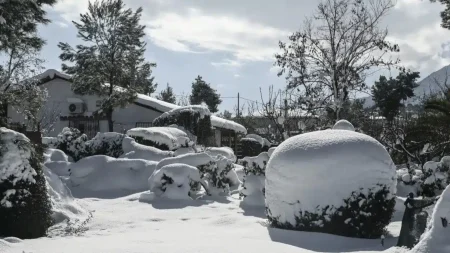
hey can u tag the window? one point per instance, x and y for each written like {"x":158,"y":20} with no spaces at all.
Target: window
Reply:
{"x":144,"y":124}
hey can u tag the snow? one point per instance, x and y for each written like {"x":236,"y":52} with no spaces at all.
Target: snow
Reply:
{"x":343,"y":125}
{"x":165,"y":107}
{"x":134,"y":150}
{"x":203,"y":111}
{"x":436,"y":238}
{"x":263,"y":141}
{"x":95,"y":175}
{"x":253,"y":190}
{"x":52,"y":73}
{"x":169,"y":136}
{"x":217,"y":225}
{"x":75,"y":100}
{"x":60,"y":168}
{"x":173,"y":181}
{"x":343,"y":161}
{"x":255,"y":161}
{"x":183,"y":151}
{"x":50,"y":141}
{"x":224,"y":151}
{"x":195,"y":159}
{"x":55,"y":155}
{"x":271,"y":150}
{"x":431,"y":166}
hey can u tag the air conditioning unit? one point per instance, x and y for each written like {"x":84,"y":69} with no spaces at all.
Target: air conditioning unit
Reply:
{"x":76,"y":106}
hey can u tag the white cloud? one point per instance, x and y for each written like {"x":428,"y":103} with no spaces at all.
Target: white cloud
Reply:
{"x":61,"y":24}
{"x":413,"y":8}
{"x":186,"y":32}
{"x":71,"y":9}
{"x":274,"y":69}
{"x":227,"y":63}
{"x":237,"y":75}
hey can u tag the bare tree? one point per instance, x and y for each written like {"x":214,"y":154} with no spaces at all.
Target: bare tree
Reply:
{"x":337,"y":49}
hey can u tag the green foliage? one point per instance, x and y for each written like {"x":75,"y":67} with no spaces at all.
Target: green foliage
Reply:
{"x":250,"y":147}
{"x":192,"y":118}
{"x":363,"y":216}
{"x":389,"y":93}
{"x":167,"y":95}
{"x":202,"y":92}
{"x":111,"y":63}
{"x":28,"y":214}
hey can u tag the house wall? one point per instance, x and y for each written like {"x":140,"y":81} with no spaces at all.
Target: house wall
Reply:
{"x":126,"y":118}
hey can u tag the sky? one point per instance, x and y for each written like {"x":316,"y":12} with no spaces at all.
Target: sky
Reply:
{"x":232,"y":43}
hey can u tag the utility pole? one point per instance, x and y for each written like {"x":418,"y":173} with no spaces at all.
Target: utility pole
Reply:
{"x":238,"y":109}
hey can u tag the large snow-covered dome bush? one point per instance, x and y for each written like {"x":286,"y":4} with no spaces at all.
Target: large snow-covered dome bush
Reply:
{"x":436,"y":238}
{"x":194,"y":118}
{"x":333,"y":181}
{"x":25,"y":208}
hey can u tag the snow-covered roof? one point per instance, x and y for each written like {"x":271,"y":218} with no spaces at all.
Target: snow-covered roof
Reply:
{"x":165,"y":107}
{"x":52,"y":74}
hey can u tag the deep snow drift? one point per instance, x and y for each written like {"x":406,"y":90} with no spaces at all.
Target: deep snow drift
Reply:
{"x":324,"y":168}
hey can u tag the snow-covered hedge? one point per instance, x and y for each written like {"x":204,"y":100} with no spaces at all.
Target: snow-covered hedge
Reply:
{"x":25,"y":209}
{"x":194,"y":118}
{"x":78,"y":146}
{"x":164,"y":138}
{"x":134,"y":150}
{"x":255,"y":165}
{"x":436,"y":238}
{"x":344,"y":125}
{"x":265,"y":143}
{"x":175,"y":181}
{"x":250,"y":147}
{"x":104,"y":174}
{"x":332,"y":181}
{"x":224,"y":151}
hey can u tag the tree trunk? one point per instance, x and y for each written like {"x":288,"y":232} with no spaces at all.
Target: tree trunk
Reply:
{"x":109,"y":114}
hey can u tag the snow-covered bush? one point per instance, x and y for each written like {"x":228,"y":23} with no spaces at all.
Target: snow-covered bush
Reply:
{"x":224,"y":151}
{"x":195,"y":119}
{"x":409,"y":180}
{"x":270,"y":151}
{"x":55,"y":155}
{"x":110,"y":175}
{"x":265,"y":144}
{"x":175,"y":181}
{"x":217,"y":171}
{"x":250,"y":147}
{"x":164,"y":138}
{"x":253,"y":186}
{"x":72,"y":143}
{"x":436,"y":238}
{"x":25,"y":209}
{"x":356,"y":193}
{"x":134,"y":150}
{"x":435,"y":177}
{"x":343,"y":125}
{"x":50,"y":142}
{"x":109,"y":144}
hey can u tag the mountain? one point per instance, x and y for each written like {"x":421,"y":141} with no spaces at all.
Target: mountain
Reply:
{"x":429,"y":84}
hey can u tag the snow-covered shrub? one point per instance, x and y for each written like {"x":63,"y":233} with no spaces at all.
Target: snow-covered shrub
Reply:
{"x":265,"y":144}
{"x":164,"y":138}
{"x":195,"y":119}
{"x":270,"y":151}
{"x":253,"y":186}
{"x":435,"y":177}
{"x":134,"y":150}
{"x":343,"y":125}
{"x":217,"y":171}
{"x":25,"y":209}
{"x":113,"y":175}
{"x":55,"y":155}
{"x":436,"y":238}
{"x":250,"y":147}
{"x":72,"y":143}
{"x":183,"y":151}
{"x":174,"y":181}
{"x":109,"y":144}
{"x":50,"y":142}
{"x":356,"y":193}
{"x":224,"y":151}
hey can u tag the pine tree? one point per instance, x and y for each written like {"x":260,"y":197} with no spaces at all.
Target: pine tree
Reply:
{"x":19,"y":47}
{"x":389,"y":93}
{"x":167,"y":95}
{"x":202,"y":92}
{"x":110,"y":64}
{"x":445,"y":14}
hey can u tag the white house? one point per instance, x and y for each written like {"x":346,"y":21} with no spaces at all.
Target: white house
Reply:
{"x":68,"y":109}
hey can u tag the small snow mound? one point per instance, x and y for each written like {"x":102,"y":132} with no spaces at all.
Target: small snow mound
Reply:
{"x":55,"y":155}
{"x":13,"y":239}
{"x":431,"y":166}
{"x":436,"y":238}
{"x":343,"y":125}
{"x":406,"y":178}
{"x":195,"y":159}
{"x":224,"y":151}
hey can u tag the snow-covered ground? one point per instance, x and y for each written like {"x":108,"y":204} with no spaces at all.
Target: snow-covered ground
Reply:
{"x":208,"y":225}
